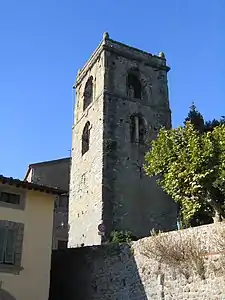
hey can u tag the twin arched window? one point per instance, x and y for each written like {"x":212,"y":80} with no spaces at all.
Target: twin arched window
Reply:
{"x":138,"y":129}
{"x":85,"y":138}
{"x":88,"y":93}
{"x":134,"y":85}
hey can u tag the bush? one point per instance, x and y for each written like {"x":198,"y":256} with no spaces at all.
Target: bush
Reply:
{"x":121,"y":237}
{"x":182,"y":254}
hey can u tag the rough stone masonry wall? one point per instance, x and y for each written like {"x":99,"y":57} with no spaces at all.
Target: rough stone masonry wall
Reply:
{"x":107,"y":183}
{"x":121,"y":272}
{"x":85,"y":204}
{"x":131,"y":200}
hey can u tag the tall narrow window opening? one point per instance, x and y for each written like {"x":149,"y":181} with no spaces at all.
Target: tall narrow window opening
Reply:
{"x":138,"y":129}
{"x":133,"y":86}
{"x":86,"y":138}
{"x":88,"y":93}
{"x":9,"y":235}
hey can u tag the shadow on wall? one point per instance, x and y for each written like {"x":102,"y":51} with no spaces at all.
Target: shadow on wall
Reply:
{"x":100,"y":272}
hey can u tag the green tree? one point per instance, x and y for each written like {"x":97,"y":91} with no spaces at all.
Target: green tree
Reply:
{"x":190,"y":168}
{"x":204,"y":215}
{"x":196,"y":119}
{"x":210,"y":125}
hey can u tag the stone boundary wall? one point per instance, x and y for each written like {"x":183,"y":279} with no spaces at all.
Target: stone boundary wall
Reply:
{"x":162,"y":281}
{"x":121,"y":272}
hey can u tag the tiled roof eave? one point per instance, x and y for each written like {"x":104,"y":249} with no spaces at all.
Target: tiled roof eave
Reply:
{"x":31,"y":186}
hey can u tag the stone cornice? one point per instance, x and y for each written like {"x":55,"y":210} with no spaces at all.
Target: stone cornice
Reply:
{"x":136,"y":54}
{"x":154,"y":61}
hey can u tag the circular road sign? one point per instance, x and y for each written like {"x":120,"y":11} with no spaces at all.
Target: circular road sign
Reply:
{"x":101,"y":227}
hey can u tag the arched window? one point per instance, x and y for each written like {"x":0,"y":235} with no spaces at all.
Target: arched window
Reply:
{"x":138,"y":129}
{"x":133,"y":85}
{"x":86,"y":138}
{"x":88,"y":93}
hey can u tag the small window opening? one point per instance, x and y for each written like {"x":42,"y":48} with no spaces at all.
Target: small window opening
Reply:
{"x":138,"y":129}
{"x":62,"y":244}
{"x":88,"y":93}
{"x":9,"y":198}
{"x":86,"y":138}
{"x":61,"y":202}
{"x":134,"y":86}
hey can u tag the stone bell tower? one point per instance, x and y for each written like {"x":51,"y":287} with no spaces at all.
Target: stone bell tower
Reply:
{"x":121,"y":102}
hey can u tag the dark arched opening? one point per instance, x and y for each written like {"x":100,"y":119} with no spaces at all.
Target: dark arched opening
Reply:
{"x":86,"y":138}
{"x":133,"y":86}
{"x":88,"y":93}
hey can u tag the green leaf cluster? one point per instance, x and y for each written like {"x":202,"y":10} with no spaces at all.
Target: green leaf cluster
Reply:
{"x":195,"y":118}
{"x":190,"y":167}
{"x":121,"y":237}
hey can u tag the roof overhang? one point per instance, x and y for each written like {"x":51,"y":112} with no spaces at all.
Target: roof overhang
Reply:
{"x":31,"y":186}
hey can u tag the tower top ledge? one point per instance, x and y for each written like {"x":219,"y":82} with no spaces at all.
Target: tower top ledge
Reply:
{"x":156,"y":61}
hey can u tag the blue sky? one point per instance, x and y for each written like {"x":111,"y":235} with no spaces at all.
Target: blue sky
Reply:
{"x":43,"y":43}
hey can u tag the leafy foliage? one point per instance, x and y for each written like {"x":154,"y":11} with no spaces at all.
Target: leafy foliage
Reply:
{"x":121,"y":237}
{"x":210,"y":125}
{"x":195,"y":118}
{"x":190,"y":167}
{"x":204,"y":215}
